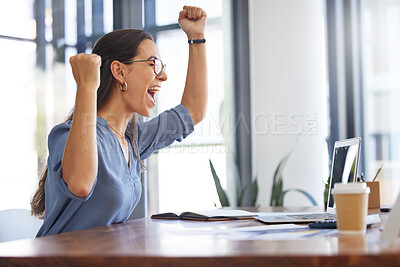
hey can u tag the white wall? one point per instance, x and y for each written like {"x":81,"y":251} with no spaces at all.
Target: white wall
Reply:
{"x":288,"y":94}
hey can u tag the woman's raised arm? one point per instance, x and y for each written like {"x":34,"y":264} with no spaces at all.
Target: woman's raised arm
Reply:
{"x":79,"y":163}
{"x":193,"y":22}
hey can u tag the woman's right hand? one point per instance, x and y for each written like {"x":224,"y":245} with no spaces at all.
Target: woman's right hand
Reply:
{"x":86,"y":70}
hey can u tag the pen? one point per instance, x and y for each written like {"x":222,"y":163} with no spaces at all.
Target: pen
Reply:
{"x":377,"y":173}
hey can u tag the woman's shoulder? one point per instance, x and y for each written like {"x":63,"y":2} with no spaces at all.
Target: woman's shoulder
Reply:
{"x":63,"y":128}
{"x":60,"y":129}
{"x":57,"y":139}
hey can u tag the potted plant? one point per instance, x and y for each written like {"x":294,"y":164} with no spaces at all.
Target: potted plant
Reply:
{"x":240,"y":190}
{"x":278,"y":193}
{"x":326,"y":191}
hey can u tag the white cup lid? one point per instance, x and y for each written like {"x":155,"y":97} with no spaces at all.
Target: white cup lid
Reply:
{"x":351,"y":188}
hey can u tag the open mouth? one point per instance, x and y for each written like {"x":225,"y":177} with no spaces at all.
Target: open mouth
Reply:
{"x":151,"y":93}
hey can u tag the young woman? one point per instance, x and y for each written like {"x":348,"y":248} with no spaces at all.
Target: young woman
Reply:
{"x":94,"y":164}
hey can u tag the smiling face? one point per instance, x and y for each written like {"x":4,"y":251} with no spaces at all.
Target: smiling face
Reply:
{"x":142,"y":82}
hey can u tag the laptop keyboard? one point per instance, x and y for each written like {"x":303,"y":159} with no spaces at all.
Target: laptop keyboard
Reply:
{"x":316,"y":216}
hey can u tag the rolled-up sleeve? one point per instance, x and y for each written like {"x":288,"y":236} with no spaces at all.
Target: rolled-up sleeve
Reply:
{"x":56,"y":143}
{"x":171,"y":125}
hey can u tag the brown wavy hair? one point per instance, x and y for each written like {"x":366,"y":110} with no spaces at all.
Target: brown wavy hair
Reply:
{"x":121,"y":45}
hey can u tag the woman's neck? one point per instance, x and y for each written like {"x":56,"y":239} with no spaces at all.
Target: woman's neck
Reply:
{"x":117,"y":120}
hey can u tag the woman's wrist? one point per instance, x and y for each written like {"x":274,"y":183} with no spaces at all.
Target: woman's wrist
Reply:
{"x":195,"y":36}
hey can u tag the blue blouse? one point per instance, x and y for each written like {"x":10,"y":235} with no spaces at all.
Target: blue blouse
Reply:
{"x":117,"y":188}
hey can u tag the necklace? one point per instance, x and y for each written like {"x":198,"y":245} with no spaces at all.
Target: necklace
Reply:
{"x":115,"y":131}
{"x":125,"y":149}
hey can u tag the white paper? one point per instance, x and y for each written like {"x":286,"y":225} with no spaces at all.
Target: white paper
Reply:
{"x":275,"y":232}
{"x":264,"y":227}
{"x":261,"y":232}
{"x":225,"y":212}
{"x":262,"y":214}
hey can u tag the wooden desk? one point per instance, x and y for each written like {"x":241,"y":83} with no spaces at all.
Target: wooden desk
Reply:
{"x":147,"y":242}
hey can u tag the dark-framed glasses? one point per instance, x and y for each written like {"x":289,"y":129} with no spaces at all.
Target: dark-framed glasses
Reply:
{"x":157,"y":65}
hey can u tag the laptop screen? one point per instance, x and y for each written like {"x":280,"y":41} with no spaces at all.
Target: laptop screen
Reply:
{"x":344,"y":164}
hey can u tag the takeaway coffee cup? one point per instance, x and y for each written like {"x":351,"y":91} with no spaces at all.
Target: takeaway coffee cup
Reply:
{"x":351,"y":207}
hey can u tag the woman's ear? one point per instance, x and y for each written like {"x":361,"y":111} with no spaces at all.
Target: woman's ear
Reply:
{"x":117,"y":70}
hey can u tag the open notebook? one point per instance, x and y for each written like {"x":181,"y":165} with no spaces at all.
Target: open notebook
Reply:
{"x":208,"y":215}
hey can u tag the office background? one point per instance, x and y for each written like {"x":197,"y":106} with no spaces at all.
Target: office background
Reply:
{"x":283,"y":75}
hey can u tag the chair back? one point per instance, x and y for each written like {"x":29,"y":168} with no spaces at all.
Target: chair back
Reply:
{"x":18,"y":224}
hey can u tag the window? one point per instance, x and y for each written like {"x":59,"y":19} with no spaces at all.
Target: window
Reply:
{"x":364,"y":66}
{"x":180,"y":176}
{"x":380,"y":21}
{"x":18,"y":157}
{"x":38,"y":89}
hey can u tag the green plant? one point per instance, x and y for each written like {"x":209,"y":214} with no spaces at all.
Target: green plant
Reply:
{"x":278,"y":193}
{"x":240,"y":190}
{"x":326,"y":191}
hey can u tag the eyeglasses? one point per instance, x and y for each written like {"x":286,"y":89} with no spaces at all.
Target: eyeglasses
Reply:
{"x":157,"y":65}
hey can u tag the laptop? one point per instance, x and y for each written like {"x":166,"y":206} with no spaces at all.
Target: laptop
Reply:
{"x":345,"y":158}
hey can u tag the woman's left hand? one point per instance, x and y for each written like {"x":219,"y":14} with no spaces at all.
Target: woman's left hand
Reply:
{"x":193,"y":21}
